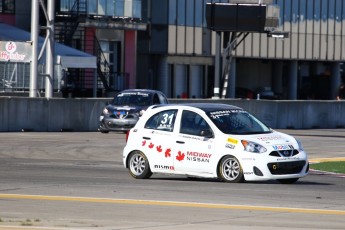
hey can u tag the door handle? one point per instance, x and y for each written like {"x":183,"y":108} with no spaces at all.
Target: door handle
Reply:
{"x":180,"y":142}
{"x":147,"y":138}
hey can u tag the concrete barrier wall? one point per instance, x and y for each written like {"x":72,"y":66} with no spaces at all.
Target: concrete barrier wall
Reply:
{"x":41,"y":114}
{"x":59,"y":114}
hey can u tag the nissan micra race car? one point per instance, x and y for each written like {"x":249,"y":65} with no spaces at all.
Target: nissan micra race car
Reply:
{"x":123,"y":112}
{"x":211,"y":140}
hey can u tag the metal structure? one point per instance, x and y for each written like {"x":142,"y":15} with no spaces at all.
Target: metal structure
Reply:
{"x":48,"y":45}
{"x":237,"y":18}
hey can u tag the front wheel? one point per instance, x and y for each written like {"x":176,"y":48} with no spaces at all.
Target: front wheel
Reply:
{"x":139,"y":167}
{"x":230,"y":170}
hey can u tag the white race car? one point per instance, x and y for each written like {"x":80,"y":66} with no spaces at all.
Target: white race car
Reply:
{"x":211,"y":140}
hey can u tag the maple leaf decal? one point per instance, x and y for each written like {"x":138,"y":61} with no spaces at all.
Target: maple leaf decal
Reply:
{"x":167,"y":153}
{"x":180,"y":156}
{"x":159,"y":149}
{"x":143,"y":143}
{"x":151,"y":145}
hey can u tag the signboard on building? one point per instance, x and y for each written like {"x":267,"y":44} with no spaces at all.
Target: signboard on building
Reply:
{"x":15,"y":51}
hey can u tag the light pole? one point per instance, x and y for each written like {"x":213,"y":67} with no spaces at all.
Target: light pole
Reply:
{"x":34,"y":43}
{"x":49,"y":83}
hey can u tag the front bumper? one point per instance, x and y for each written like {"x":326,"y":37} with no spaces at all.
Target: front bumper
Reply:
{"x":112,"y":124}
{"x":276,"y":168}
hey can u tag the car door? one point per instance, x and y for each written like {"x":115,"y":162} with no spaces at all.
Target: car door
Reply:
{"x":194,"y":144}
{"x":157,"y":141}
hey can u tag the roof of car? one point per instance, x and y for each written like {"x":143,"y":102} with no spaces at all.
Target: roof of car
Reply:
{"x":140,"y":90}
{"x":207,"y":107}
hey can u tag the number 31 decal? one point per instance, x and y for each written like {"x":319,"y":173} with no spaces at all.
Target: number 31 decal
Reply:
{"x":167,"y":119}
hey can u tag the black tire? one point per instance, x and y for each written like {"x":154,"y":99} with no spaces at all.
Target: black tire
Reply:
{"x":138,"y":165}
{"x":288,"y":181}
{"x":103,"y":131}
{"x":230,"y":170}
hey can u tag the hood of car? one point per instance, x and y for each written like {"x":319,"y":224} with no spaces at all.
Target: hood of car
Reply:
{"x":127,"y":109}
{"x":276,"y":139}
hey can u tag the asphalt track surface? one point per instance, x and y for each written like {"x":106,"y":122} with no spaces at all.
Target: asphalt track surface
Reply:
{"x":73,"y":180}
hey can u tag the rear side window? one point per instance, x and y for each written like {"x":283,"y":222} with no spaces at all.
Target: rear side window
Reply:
{"x":163,"y":121}
{"x":162,"y":99}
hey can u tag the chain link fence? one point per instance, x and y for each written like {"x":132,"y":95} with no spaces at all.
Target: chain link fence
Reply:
{"x":15,"y":77}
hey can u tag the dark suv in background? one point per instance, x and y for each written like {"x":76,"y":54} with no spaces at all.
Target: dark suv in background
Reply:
{"x":123,"y":112}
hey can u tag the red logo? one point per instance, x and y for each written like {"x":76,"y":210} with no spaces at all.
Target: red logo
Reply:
{"x":180,"y":156}
{"x":11,"y":47}
{"x":167,"y":153}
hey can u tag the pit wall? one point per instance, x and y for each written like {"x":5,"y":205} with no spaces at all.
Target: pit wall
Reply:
{"x":82,"y":115}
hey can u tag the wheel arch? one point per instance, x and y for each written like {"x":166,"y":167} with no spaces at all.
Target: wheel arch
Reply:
{"x":127,"y":158}
{"x":241,"y":177}
{"x":220,"y":160}
{"x":138,"y":165}
{"x":132,"y":152}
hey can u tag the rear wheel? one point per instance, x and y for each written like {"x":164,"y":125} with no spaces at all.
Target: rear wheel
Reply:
{"x":139,"y":167}
{"x":288,"y":181}
{"x":230,"y":170}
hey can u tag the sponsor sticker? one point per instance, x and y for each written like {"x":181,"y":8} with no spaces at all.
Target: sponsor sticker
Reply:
{"x":198,"y":157}
{"x":165,"y":167}
{"x":288,"y":158}
{"x":229,"y":146}
{"x":248,"y":159}
{"x":282,"y":147}
{"x":217,"y":114}
{"x":232,"y":140}
{"x":269,"y":138}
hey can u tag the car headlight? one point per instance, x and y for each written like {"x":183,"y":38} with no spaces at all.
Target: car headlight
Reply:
{"x":141,"y":112}
{"x":300,"y":146}
{"x":106,"y":111}
{"x":253,"y":147}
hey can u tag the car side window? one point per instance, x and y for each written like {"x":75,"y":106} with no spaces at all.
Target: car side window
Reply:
{"x":163,"y":121}
{"x":156,"y":99}
{"x":193,"y":124}
{"x":162,"y":99}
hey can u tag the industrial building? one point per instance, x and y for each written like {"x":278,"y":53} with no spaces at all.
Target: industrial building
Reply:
{"x":167,"y":45}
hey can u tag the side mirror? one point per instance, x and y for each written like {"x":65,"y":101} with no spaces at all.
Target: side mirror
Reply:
{"x":206,"y":133}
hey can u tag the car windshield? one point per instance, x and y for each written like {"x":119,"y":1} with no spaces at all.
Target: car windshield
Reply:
{"x":237,"y":121}
{"x":132,"y":98}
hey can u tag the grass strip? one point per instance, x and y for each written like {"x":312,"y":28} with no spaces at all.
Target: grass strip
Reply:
{"x":332,"y":166}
